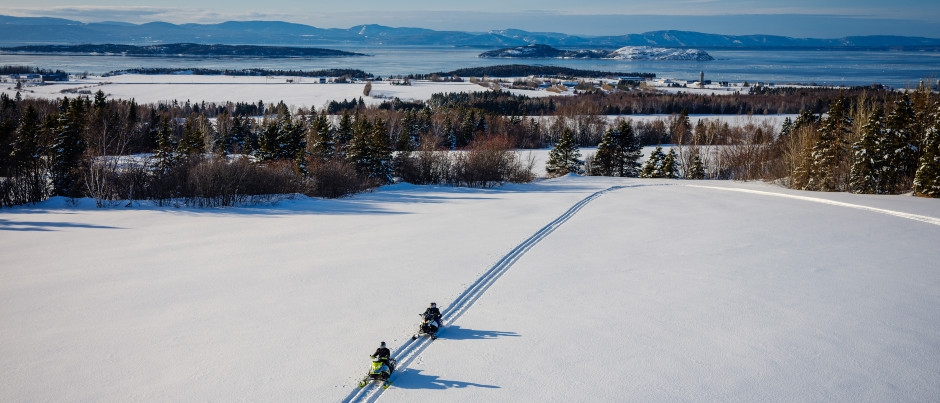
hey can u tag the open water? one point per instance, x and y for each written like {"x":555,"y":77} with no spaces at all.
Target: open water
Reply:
{"x":899,"y":69}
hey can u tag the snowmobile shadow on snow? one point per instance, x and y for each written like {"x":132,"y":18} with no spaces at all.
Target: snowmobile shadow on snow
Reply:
{"x":413,"y":379}
{"x":454,"y":332}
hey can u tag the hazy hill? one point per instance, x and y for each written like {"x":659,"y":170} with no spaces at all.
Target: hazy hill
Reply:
{"x":16,"y":31}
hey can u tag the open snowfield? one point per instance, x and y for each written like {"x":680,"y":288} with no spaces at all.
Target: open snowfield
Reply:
{"x":651,"y":290}
{"x":294,"y":91}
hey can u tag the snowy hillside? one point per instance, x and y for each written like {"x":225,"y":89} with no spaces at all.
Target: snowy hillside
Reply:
{"x":571,"y":289}
{"x":650,"y":53}
{"x":625,"y":53}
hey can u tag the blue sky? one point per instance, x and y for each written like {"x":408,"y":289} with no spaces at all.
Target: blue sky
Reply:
{"x":798,"y":18}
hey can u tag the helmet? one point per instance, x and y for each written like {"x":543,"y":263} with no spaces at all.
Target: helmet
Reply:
{"x":382,"y":344}
{"x":433,"y":304}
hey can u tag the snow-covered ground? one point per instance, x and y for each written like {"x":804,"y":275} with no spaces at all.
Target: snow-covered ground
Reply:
{"x":294,"y":91}
{"x":655,"y":53}
{"x":654,"y":290}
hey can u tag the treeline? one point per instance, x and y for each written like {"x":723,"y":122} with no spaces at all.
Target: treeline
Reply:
{"x":219,"y":154}
{"x":872,"y":145}
{"x":118,"y":151}
{"x":10,"y":69}
{"x":877,"y":146}
{"x":794,"y":101}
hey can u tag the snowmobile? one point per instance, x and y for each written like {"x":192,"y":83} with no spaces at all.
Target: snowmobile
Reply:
{"x":428,"y":327}
{"x":380,"y":372}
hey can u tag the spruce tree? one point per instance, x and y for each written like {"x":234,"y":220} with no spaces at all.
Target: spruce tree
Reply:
{"x":830,"y":152}
{"x":359,"y":148}
{"x":26,"y":157}
{"x":291,"y":139}
{"x":868,"y":156}
{"x":697,"y":170}
{"x":629,"y":164}
{"x":380,"y":155}
{"x":343,"y":135}
{"x":565,"y":157}
{"x":241,"y":140}
{"x":671,"y":165}
{"x":927,"y":178}
{"x":69,"y":148}
{"x":900,"y":148}
{"x":194,"y":134}
{"x":320,"y":137}
{"x":653,"y":168}
{"x":607,"y":154}
{"x":164,"y":155}
{"x":370,"y":150}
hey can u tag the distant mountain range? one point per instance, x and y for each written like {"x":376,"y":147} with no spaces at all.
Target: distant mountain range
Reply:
{"x":18,"y":31}
{"x":183,"y":49}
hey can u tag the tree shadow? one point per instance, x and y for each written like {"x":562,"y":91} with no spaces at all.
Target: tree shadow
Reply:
{"x":453,"y":332}
{"x":413,"y":379}
{"x":7,"y":225}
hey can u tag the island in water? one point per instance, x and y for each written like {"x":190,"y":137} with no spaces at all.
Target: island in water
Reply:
{"x":536,"y":51}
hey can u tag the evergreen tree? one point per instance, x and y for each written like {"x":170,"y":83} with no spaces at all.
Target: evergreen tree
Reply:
{"x":449,"y":132}
{"x":830,"y":152}
{"x":682,"y":127}
{"x":653,"y":168}
{"x":165,"y":156}
{"x":565,"y":157}
{"x":27,"y":146}
{"x":193,"y":141}
{"x":806,"y":119}
{"x":291,"y":137}
{"x":607,"y":154}
{"x":868,"y":156}
{"x":344,"y":134}
{"x":629,"y":164}
{"x":671,"y":165}
{"x":786,"y":128}
{"x":618,"y":153}
{"x":370,"y":151}
{"x":927,"y":178}
{"x":900,"y":148}
{"x":69,"y":148}
{"x":467,"y":129}
{"x":697,"y":170}
{"x":242,"y":139}
{"x":320,"y":137}
{"x":409,"y":134}
{"x":26,"y":157}
{"x":380,"y":159}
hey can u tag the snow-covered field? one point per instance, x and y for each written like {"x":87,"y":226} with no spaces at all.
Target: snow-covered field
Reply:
{"x":652,"y":290}
{"x":294,"y":91}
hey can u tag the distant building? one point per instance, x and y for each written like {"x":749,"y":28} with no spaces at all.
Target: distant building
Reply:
{"x":55,"y":77}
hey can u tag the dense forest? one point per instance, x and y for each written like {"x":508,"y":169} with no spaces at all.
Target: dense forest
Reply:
{"x":865,"y":140}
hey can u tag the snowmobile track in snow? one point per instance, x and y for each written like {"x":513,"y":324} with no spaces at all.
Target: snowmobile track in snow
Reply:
{"x":909,"y":216}
{"x":413,"y":348}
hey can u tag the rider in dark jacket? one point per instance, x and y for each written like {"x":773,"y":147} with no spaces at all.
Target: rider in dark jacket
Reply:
{"x":385,"y":354}
{"x":436,"y":313}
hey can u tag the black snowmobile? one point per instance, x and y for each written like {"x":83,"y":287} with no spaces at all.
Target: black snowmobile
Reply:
{"x":428,"y":327}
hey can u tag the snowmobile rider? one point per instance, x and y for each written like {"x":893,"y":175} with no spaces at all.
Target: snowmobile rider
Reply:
{"x":436,"y":313}
{"x":384,"y":354}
